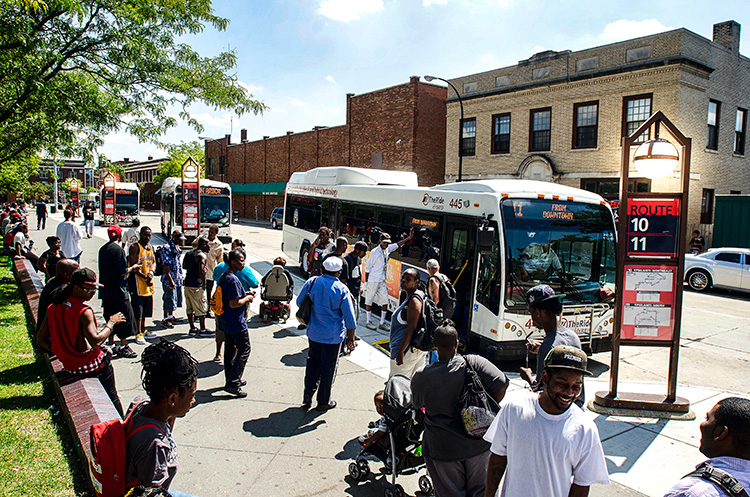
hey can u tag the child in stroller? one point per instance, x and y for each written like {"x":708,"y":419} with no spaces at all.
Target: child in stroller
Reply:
{"x":395,"y":438}
{"x":276,"y":290}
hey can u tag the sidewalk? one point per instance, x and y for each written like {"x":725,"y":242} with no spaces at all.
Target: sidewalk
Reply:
{"x":266,"y":445}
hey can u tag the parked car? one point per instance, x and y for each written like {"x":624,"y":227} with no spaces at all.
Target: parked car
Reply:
{"x":277,"y":217}
{"x":724,"y":267}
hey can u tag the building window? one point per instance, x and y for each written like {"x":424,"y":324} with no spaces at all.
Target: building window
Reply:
{"x":609,"y":188}
{"x":635,"y":111}
{"x":469,"y":137}
{"x":740,"y":129}
{"x":210,"y":166}
{"x":707,"y":206}
{"x":501,"y":134}
{"x":43,"y":173}
{"x":585,"y":125}
{"x":72,"y":173}
{"x":712,"y":138}
{"x":541,"y":125}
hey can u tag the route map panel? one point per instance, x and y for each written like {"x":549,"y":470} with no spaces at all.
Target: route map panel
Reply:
{"x":648,"y":303}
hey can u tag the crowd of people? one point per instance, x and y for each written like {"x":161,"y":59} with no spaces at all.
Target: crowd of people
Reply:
{"x":543,"y":427}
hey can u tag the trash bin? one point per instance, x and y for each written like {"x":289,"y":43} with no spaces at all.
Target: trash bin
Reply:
{"x":53,"y":209}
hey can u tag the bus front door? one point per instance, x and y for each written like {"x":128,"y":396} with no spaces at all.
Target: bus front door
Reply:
{"x":459,"y":265}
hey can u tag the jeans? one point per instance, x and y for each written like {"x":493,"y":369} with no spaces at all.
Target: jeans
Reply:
{"x":320,"y":372}
{"x":463,"y":477}
{"x":172,"y":298}
{"x":41,"y":222}
{"x":106,"y":377}
{"x":89,"y":227}
{"x":236,"y":354}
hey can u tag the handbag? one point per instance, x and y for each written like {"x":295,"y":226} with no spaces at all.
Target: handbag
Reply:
{"x":478,"y":408}
{"x":305,"y":308}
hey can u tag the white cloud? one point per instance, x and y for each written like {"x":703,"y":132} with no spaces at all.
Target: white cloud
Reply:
{"x":298,"y":103}
{"x":277,"y":109}
{"x":537,"y":49}
{"x":250,"y":87}
{"x":427,"y":3}
{"x":348,"y":10}
{"x":624,"y":29}
{"x":210,"y":120}
{"x":330,"y":79}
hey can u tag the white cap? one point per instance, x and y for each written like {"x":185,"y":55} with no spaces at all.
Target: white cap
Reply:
{"x":333,"y":264}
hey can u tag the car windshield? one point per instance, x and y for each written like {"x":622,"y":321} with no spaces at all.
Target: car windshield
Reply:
{"x":569,"y":246}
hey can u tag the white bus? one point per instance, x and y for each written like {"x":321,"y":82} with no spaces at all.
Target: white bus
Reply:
{"x":215,"y":205}
{"x":530,"y":232}
{"x":127,"y":204}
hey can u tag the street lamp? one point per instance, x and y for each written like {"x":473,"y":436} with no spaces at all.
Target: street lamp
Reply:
{"x":221,"y":144}
{"x":656,"y":158}
{"x":460,"y":125}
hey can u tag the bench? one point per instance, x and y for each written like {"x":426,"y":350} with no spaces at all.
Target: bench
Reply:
{"x":84,"y":400}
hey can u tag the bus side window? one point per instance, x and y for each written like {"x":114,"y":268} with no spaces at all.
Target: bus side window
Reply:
{"x":489,"y":288}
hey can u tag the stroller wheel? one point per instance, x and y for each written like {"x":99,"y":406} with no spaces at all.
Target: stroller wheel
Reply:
{"x":364,"y":468}
{"x":425,"y":485}
{"x":400,"y":492}
{"x":354,"y":471}
{"x":389,"y":492}
{"x":265,"y":318}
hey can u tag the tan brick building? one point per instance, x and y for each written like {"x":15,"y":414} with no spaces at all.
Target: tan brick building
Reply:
{"x":399,"y":128}
{"x":560,"y":116}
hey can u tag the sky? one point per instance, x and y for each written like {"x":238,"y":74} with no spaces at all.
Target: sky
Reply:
{"x":301,"y":57}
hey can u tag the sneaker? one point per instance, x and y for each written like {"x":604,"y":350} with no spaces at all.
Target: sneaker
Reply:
{"x":205,"y":333}
{"x":125,"y":351}
{"x":306,"y":402}
{"x":176,"y":320}
{"x":210,"y":314}
{"x":236,"y":391}
{"x":193,"y":331}
{"x":150,"y":335}
{"x":139,"y":339}
{"x":385,"y":326}
{"x":166,"y":323}
{"x":356,"y":337}
{"x":371,"y":325}
{"x":326,"y":407}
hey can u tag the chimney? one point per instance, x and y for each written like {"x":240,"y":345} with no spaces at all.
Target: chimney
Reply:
{"x":126,"y":160}
{"x":243,"y":135}
{"x":229,"y":139}
{"x":414,"y":80}
{"x":150,"y":157}
{"x":727,"y":34}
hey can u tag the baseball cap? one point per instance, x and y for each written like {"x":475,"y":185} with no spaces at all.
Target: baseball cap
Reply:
{"x":567,"y":357}
{"x":82,"y":276}
{"x":178,"y":234}
{"x":114,"y":230}
{"x":360,"y":245}
{"x":385,"y":237}
{"x":540,"y":293}
{"x":333,"y":264}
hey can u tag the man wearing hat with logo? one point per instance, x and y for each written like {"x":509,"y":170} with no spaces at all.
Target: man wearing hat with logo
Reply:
{"x":541,"y":442}
{"x":171,"y":277}
{"x":545,"y":308}
{"x":114,"y":271}
{"x":331,"y":323}
{"x":69,"y":331}
{"x":376,"y":271}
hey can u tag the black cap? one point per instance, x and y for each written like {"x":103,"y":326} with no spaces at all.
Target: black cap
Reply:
{"x":567,"y":357}
{"x":83,"y":276}
{"x":540,"y":293}
{"x":360,"y":245}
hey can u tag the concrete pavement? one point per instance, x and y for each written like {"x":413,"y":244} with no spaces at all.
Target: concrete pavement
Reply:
{"x":266,"y":445}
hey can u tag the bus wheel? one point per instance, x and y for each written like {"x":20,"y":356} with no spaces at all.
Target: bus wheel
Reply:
{"x":303,"y":260}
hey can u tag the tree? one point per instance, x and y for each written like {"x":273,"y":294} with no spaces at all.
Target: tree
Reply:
{"x":37,"y":190}
{"x":178,"y":154}
{"x":72,"y":71}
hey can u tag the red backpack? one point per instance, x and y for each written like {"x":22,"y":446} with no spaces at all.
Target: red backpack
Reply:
{"x":107,"y":464}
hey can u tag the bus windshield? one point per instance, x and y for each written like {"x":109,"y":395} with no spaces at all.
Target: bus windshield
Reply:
{"x":569,"y":246}
{"x":215,"y":210}
{"x":127,"y":202}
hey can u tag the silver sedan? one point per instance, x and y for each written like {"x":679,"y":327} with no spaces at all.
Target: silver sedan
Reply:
{"x":719,"y":267}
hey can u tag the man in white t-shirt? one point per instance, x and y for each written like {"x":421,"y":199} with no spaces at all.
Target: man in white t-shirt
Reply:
{"x":131,"y":235}
{"x":541,"y":442}
{"x":376,"y":270}
{"x":69,"y":236}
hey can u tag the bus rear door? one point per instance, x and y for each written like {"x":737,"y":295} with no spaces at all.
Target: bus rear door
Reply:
{"x":458,"y":263}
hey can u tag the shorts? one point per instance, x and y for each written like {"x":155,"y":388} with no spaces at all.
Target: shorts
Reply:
{"x":376,"y":293}
{"x":195,"y":301}
{"x":143,"y":307}
{"x":414,"y":360}
{"x":219,"y":335}
{"x":172,"y":298}
{"x":112,"y":307}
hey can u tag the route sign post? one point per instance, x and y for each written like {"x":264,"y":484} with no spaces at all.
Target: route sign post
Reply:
{"x":74,"y":194}
{"x":650,"y":263}
{"x":109,"y":199}
{"x":191,"y":224}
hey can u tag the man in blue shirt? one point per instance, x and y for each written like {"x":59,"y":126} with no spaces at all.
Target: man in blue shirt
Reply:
{"x":331,"y":322}
{"x":234,"y":324}
{"x":171,"y":277}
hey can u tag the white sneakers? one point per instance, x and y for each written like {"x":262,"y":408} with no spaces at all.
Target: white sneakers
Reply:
{"x":139,"y":339}
{"x":371,"y":325}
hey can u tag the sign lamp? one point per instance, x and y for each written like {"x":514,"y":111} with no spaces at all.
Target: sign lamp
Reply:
{"x":656,"y":158}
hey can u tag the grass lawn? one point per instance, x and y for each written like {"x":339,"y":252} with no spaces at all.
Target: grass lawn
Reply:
{"x":36,"y":451}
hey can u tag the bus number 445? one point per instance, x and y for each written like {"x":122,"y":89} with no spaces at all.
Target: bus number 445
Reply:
{"x":456,"y":203}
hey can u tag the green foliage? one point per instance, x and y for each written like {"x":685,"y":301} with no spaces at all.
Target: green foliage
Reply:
{"x":14,"y":174}
{"x":178,"y":154}
{"x":72,"y":71}
{"x":37,"y":190}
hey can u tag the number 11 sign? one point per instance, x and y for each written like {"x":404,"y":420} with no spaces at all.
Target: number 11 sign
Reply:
{"x":653,"y":227}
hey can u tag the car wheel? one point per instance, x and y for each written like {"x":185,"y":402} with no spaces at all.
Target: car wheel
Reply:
{"x":699,"y":280}
{"x":274,"y":224}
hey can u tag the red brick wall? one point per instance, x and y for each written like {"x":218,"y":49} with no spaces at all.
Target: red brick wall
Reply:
{"x":333,"y":144}
{"x":429,"y":154}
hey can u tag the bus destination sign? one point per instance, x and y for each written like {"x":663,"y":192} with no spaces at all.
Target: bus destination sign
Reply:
{"x":653,"y":225}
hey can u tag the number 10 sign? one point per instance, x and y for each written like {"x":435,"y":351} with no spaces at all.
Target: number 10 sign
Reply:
{"x":653,"y":227}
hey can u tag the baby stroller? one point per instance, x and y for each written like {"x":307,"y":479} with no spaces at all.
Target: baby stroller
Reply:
{"x":401,"y":450}
{"x":276,"y":291}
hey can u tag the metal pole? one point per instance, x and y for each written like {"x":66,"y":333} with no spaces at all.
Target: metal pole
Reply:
{"x":460,"y":125}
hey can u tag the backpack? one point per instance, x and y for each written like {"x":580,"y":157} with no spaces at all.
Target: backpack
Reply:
{"x":727,"y":482}
{"x":107,"y":465}
{"x":431,"y":318}
{"x":447,"y":296}
{"x":159,"y":269}
{"x":217,"y":300}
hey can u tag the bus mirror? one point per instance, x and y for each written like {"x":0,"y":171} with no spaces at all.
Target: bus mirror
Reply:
{"x":486,"y":239}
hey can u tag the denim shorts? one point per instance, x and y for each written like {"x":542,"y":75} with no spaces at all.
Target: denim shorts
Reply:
{"x":172,"y":298}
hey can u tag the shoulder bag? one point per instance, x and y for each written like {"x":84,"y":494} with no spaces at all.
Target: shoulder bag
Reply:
{"x":477,"y":407}
{"x":305,"y":308}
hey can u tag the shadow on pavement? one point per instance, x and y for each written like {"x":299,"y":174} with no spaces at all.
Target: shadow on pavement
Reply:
{"x":207,"y":396}
{"x":287,"y":423}
{"x":350,"y":450}
{"x":286,"y":333}
{"x":210,"y":368}
{"x":298,"y":359}
{"x":623,"y":455}
{"x":597,"y":368}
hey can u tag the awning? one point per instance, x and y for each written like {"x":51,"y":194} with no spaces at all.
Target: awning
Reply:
{"x":258,"y":188}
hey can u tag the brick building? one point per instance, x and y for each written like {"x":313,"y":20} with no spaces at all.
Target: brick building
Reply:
{"x":560,"y":116}
{"x":68,"y":168}
{"x":143,"y":173}
{"x":398,"y":128}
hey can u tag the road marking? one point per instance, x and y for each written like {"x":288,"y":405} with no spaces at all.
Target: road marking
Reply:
{"x":716,"y":313}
